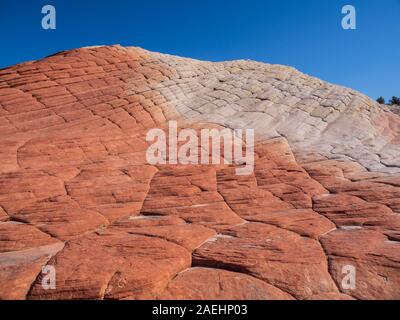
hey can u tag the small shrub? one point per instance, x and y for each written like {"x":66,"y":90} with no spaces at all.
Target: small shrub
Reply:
{"x":381,"y":100}
{"x":395,"y":101}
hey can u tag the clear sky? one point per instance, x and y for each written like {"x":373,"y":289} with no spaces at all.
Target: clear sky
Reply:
{"x":305,"y":34}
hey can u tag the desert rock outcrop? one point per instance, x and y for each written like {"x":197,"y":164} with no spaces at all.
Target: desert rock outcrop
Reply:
{"x":77,"y":194}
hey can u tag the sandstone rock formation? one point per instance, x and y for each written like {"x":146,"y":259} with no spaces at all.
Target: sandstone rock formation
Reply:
{"x":77,"y":193}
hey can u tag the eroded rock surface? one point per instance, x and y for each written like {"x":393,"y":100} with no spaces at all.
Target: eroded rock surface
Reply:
{"x":77,"y":194}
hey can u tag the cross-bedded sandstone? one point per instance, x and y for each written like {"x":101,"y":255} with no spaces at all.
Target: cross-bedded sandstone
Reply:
{"x":77,"y":193}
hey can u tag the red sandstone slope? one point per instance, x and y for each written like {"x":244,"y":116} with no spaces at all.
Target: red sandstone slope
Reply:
{"x":77,"y":193}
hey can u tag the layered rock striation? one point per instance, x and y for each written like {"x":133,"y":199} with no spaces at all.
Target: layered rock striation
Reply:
{"x":77,"y":193}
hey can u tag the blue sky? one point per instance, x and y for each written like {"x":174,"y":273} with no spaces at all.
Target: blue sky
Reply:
{"x":304,"y":34}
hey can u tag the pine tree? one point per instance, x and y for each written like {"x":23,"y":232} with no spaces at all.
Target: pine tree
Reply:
{"x":381,"y":100}
{"x":395,"y":101}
